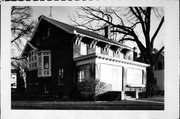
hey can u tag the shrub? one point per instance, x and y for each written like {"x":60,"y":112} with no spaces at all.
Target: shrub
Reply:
{"x":90,"y":88}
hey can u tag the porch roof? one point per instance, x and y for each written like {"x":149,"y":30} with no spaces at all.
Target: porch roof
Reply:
{"x":113,"y":59}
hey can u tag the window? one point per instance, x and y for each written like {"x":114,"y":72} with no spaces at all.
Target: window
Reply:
{"x":44,"y":63}
{"x":32,"y":60}
{"x":83,"y":49}
{"x":83,"y":73}
{"x":61,"y":76}
{"x":76,"y":51}
{"x":46,"y":33}
{"x":98,"y":49}
{"x":121,"y":55}
{"x":111,"y":53}
{"x":129,"y":56}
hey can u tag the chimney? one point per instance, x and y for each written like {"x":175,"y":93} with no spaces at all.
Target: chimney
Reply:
{"x":107,"y":31}
{"x":134,"y":53}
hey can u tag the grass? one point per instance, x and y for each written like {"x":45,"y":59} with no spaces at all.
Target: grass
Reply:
{"x":112,"y":105}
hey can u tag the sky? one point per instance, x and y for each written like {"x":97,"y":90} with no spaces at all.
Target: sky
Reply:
{"x":62,"y":13}
{"x":59,"y":13}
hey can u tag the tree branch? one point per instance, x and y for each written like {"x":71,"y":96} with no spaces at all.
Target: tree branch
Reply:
{"x":156,"y":32}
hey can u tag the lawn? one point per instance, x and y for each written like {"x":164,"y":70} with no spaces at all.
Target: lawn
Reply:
{"x":111,"y":105}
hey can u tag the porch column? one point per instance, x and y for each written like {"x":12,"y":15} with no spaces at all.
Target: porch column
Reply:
{"x":144,"y":77}
{"x":123,"y":95}
{"x":137,"y":94}
{"x":97,"y":71}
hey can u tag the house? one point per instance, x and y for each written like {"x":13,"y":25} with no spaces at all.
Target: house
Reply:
{"x":60,"y":56}
{"x":159,"y":71}
{"x":13,"y":78}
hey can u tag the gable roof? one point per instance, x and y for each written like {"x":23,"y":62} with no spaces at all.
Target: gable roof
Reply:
{"x":73,"y":30}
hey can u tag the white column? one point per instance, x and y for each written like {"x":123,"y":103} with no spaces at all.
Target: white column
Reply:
{"x":137,"y":94}
{"x":123,"y":95}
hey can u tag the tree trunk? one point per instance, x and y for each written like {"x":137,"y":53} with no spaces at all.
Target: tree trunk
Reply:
{"x":20,"y":83}
{"x":150,"y":82}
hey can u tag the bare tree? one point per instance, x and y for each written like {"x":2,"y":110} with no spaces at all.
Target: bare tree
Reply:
{"x":125,"y":21}
{"x":22,"y":25}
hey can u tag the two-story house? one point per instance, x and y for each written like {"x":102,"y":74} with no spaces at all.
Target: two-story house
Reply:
{"x":61,"y":55}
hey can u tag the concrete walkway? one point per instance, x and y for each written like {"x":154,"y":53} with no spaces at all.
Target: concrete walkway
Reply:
{"x":155,"y":99}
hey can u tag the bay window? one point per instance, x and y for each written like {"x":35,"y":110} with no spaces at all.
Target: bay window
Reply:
{"x":44,"y":63}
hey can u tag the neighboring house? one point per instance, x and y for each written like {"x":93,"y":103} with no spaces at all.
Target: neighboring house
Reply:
{"x":60,"y":56}
{"x":159,"y":71}
{"x":13,"y":78}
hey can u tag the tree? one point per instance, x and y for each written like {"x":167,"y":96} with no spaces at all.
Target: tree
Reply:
{"x":125,"y":22}
{"x":22,"y":25}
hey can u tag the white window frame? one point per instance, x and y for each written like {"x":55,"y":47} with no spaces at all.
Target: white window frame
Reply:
{"x":42,"y":72}
{"x":32,"y":60}
{"x":83,"y":49}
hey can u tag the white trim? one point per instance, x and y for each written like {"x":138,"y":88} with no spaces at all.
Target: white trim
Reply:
{"x":96,"y":39}
{"x":112,"y":59}
{"x":41,"y":69}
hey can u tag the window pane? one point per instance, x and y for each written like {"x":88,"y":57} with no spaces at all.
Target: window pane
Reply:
{"x":83,"y":49}
{"x":84,"y":73}
{"x":46,"y":62}
{"x":98,"y":49}
{"x":39,"y":62}
{"x":110,"y":53}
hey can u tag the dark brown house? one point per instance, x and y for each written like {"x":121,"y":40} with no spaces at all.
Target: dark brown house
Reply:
{"x":61,"y":55}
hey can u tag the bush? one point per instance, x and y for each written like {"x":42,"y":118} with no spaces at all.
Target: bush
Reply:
{"x":90,"y":88}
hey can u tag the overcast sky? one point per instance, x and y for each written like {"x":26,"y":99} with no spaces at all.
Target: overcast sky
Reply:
{"x":62,"y":14}
{"x":58,"y":13}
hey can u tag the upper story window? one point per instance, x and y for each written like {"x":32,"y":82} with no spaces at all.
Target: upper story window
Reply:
{"x":76,"y":51}
{"x":111,"y":53}
{"x":120,"y":55}
{"x":32,"y":60}
{"x":44,"y":63}
{"x":83,"y":49}
{"x":46,"y":32}
{"x":98,"y":49}
{"x":129,"y":56}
